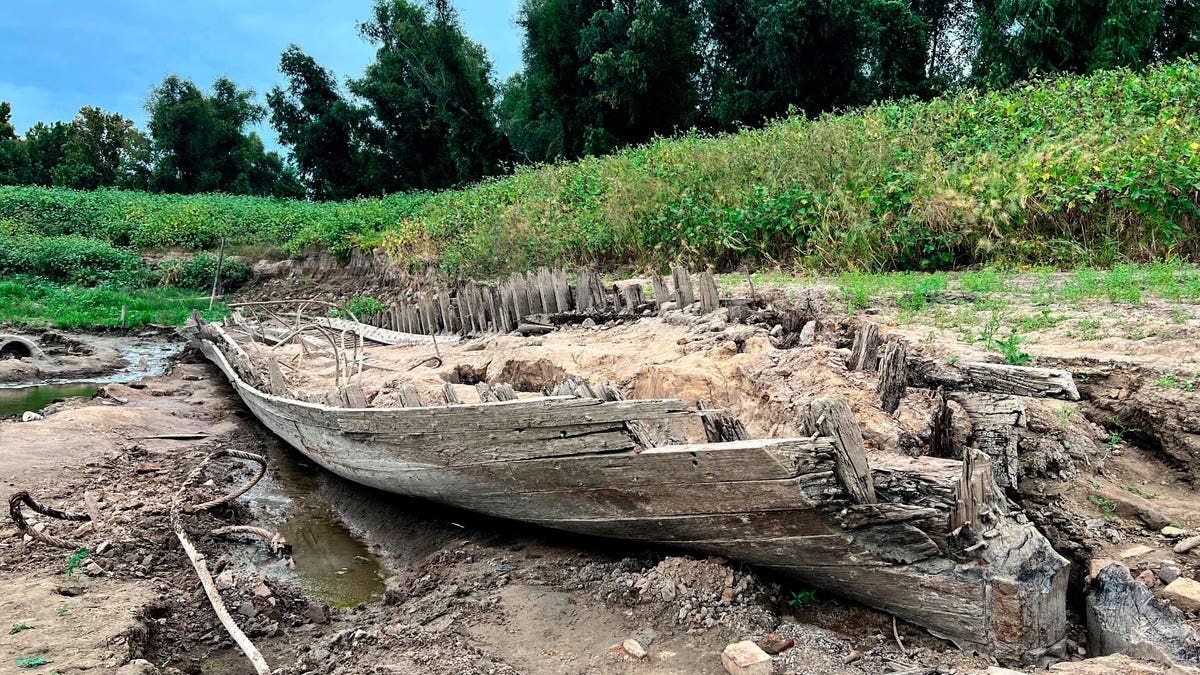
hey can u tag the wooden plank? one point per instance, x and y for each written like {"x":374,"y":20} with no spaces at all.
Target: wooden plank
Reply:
{"x":279,"y":385}
{"x":535,"y":294}
{"x":994,"y":378}
{"x":831,"y":416}
{"x":519,"y":414}
{"x":996,"y":423}
{"x":710,"y":299}
{"x":520,"y":295}
{"x":449,"y":394}
{"x":682,"y":280}
{"x":546,"y":289}
{"x":719,"y":427}
{"x":562,"y":290}
{"x":380,"y":335}
{"x":503,"y":391}
{"x":486,"y":395}
{"x":409,"y":397}
{"x":661,"y":294}
{"x":354,"y":396}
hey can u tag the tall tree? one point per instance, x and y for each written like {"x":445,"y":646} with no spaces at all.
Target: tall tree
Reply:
{"x":45,"y":146}
{"x":96,"y":150}
{"x":14,"y":163}
{"x":200,"y":142}
{"x":319,"y":125}
{"x":431,"y":98}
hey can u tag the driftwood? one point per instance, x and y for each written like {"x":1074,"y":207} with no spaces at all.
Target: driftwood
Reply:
{"x":682,"y":281}
{"x":864,"y":355}
{"x":893,"y":376}
{"x":941,"y":439}
{"x":996,"y":424}
{"x":710,"y":300}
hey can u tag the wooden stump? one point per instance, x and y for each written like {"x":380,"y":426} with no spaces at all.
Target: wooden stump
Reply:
{"x":684,"y":295}
{"x":864,"y":355}
{"x":710,"y":300}
{"x":893,"y":376}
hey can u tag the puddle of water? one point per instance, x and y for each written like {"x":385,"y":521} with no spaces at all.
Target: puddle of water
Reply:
{"x":146,"y":359}
{"x":331,"y":562}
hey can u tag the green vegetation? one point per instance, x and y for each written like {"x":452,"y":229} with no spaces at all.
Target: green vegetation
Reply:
{"x":34,"y":302}
{"x":31,"y":661}
{"x":1068,"y":171}
{"x":1107,"y":507}
{"x":74,"y":560}
{"x":17,"y":628}
{"x":1139,"y":492}
{"x":803,"y":598}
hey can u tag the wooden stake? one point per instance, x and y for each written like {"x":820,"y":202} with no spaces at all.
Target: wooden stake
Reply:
{"x":212,"y":298}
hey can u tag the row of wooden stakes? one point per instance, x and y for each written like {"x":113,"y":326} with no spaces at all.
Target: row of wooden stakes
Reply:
{"x":476,"y":307}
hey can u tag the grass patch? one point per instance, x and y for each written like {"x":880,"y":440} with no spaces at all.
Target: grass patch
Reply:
{"x":38,"y":303}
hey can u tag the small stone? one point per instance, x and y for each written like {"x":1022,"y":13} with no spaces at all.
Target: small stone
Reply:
{"x":1135,"y":551}
{"x":746,"y":658}
{"x":28,"y":416}
{"x":224,"y":580}
{"x":727,"y":596}
{"x":1148,"y":579}
{"x":776,"y":331}
{"x":634,"y":649}
{"x":317,"y":612}
{"x":1183,"y":593}
{"x":1187,"y":544}
{"x":774,"y":643}
{"x":853,"y":656}
{"x":588,"y":323}
{"x":248,"y":610}
{"x":1168,"y":572}
{"x":808,"y":334}
{"x":262,"y":591}
{"x":93,"y":569}
{"x":1172,"y":531}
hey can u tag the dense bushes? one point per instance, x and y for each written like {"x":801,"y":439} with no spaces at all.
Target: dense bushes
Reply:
{"x":68,"y":259}
{"x":1061,"y":171}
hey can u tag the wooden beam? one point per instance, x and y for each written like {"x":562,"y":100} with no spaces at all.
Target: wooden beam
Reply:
{"x":832,"y":417}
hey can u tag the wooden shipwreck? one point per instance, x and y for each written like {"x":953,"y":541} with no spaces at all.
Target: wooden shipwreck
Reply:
{"x":933,"y":541}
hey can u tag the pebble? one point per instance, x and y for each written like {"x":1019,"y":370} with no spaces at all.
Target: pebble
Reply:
{"x":94,"y":570}
{"x":634,"y":649}
{"x":774,"y":643}
{"x":28,"y":416}
{"x":262,"y":591}
{"x":1168,"y":572}
{"x":1187,"y":544}
{"x":1147,"y":578}
{"x":247,"y":610}
{"x":1172,"y":531}
{"x":853,"y":656}
{"x":224,"y":580}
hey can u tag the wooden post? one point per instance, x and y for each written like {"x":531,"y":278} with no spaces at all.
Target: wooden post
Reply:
{"x":562,"y":290}
{"x":212,"y":298}
{"x":941,"y":440}
{"x":684,"y":294}
{"x":831,"y":416}
{"x":865,"y":353}
{"x":409,"y":398}
{"x":123,"y":314}
{"x":893,"y":376}
{"x":661,"y":295}
{"x":710,"y":299}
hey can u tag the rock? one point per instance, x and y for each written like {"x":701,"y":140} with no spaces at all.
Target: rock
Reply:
{"x":1124,"y":617}
{"x":1172,"y":531}
{"x":224,"y":580}
{"x":746,"y":658}
{"x":1147,"y":578}
{"x":138,"y":667}
{"x":247,"y":610}
{"x":1168,"y":572}
{"x":93,"y":569}
{"x":1183,"y":593}
{"x":853,"y":656}
{"x":727,"y":596}
{"x":1187,"y":544}
{"x":28,"y":416}
{"x":1135,"y":551}
{"x":1098,"y":564}
{"x":317,"y":612}
{"x":634,"y":649}
{"x":997,"y":670}
{"x":808,"y":334}
{"x":262,"y":591}
{"x":774,"y":643}
{"x":588,"y":323}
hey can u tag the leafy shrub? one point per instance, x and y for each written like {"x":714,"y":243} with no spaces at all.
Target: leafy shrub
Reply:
{"x":360,"y":306}
{"x":71,"y":259}
{"x":197,"y":271}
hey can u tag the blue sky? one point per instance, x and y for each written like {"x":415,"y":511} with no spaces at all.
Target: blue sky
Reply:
{"x":56,"y":57}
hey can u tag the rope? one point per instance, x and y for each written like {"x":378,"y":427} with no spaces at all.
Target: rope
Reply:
{"x":23,"y":497}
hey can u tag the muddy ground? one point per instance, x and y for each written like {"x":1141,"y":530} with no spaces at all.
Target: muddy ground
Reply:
{"x":465,"y":594}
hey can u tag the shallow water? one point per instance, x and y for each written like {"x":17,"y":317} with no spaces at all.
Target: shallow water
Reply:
{"x":331,"y":563}
{"x":143,"y":359}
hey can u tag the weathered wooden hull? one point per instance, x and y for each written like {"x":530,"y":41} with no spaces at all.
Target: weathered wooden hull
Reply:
{"x":995,"y":584}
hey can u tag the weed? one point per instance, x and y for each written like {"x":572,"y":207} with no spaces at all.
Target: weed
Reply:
{"x":73,"y":562}
{"x":802,"y":599}
{"x":1088,"y":329}
{"x":1170,"y":380}
{"x":952,"y":359}
{"x":1107,"y":507}
{"x":18,"y":628}
{"x":1064,"y":415}
{"x":987,"y":334}
{"x":32,"y":661}
{"x":1139,"y":492}
{"x":1011,"y":349}
{"x":62,"y":609}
